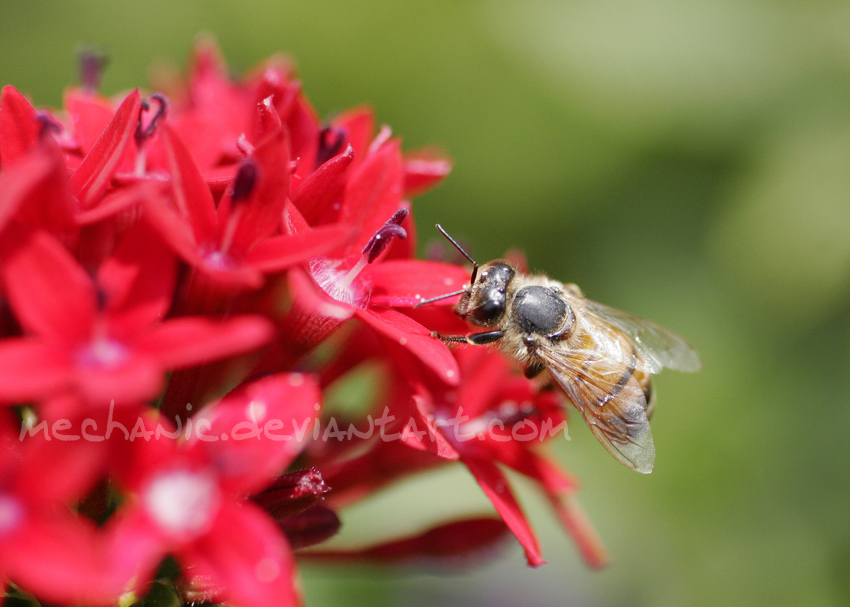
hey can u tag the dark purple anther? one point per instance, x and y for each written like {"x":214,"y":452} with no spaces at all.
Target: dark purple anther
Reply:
{"x":243,"y":183}
{"x":143,"y":134}
{"x":331,"y":140}
{"x":384,"y":236}
{"x":102,"y":298}
{"x":48,"y":125}
{"x":92,"y":64}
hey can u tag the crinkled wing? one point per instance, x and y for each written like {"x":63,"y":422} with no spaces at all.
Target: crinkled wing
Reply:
{"x":656,"y":346}
{"x":609,"y":397}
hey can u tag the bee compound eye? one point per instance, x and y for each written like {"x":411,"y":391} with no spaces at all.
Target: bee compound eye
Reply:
{"x":490,"y":309}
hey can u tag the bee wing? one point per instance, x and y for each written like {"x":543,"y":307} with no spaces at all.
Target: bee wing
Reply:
{"x":656,"y":346}
{"x":609,"y":398}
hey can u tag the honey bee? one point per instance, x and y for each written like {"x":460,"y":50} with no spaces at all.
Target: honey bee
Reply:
{"x":601,"y":358}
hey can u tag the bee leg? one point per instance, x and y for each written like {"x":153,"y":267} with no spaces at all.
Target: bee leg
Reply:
{"x":476,"y":339}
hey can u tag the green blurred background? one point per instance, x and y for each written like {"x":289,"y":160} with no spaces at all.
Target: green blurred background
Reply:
{"x":688,"y":161}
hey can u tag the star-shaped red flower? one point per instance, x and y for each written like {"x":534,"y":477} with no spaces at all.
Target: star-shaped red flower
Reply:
{"x":105,"y":338}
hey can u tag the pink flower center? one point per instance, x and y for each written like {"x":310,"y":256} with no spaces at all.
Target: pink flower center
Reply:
{"x":11,"y":514}
{"x":182,"y":502}
{"x":103,"y":352}
{"x":340,"y":284}
{"x":218,"y":260}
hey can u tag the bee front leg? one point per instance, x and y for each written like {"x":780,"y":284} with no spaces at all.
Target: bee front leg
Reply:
{"x":475,"y":339}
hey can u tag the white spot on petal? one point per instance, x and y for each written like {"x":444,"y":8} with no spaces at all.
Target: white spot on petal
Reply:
{"x":104,"y":353}
{"x":403,"y":341}
{"x":182,"y":502}
{"x":217,"y":260}
{"x":11,"y":514}
{"x":256,"y":410}
{"x":508,"y":408}
{"x":267,"y":570}
{"x":296,"y":379}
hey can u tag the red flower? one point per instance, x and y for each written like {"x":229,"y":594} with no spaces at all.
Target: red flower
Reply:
{"x":494,"y":417}
{"x":188,"y":498}
{"x":448,"y":545}
{"x":104,"y":339}
{"x":342,"y":285}
{"x":44,"y":547}
{"x":235,"y":243}
{"x":160,"y":250}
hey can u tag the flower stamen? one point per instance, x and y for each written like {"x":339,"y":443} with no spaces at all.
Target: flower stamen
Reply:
{"x":145,"y":133}
{"x":243,"y":183}
{"x":331,"y":140}
{"x":48,"y":125}
{"x":243,"y":186}
{"x":92,"y":64}
{"x":377,"y":245}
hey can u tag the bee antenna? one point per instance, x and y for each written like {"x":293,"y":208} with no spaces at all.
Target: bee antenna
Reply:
{"x":462,"y":252}
{"x":439,"y":297}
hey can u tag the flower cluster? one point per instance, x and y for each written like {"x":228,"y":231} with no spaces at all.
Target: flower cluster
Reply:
{"x":184,"y":276}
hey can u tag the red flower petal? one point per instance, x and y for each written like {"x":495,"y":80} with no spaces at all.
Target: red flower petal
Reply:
{"x":138,"y":379}
{"x":191,"y":193}
{"x":187,"y":341}
{"x":293,"y":221}
{"x":302,"y":124}
{"x":263,"y":422}
{"x":324,"y":188}
{"x":424,"y":169}
{"x":62,"y":560}
{"x":280,"y":252}
{"x":218,"y":112}
{"x":488,"y":378}
{"x":113,"y":204}
{"x":309,"y":527}
{"x":135,"y":546}
{"x":386,"y":462}
{"x":422,"y":415}
{"x":465,"y":538}
{"x":51,"y":294}
{"x":90,"y":115}
{"x":31,"y":369}
{"x":138,"y":281}
{"x":35,"y":192}
{"x":496,"y":488}
{"x":403,"y":283}
{"x":19,"y":127}
{"x":174,"y":229}
{"x":373,"y":193}
{"x":244,"y":560}
{"x":260,"y":215}
{"x":359,"y":124}
{"x":92,"y":177}
{"x":560,"y":488}
{"x":403,"y":331}
{"x":57,"y":465}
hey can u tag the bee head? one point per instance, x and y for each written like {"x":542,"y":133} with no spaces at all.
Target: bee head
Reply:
{"x":484,"y":303}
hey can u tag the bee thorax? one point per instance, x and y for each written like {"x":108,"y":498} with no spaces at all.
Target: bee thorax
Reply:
{"x":540,"y":310}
